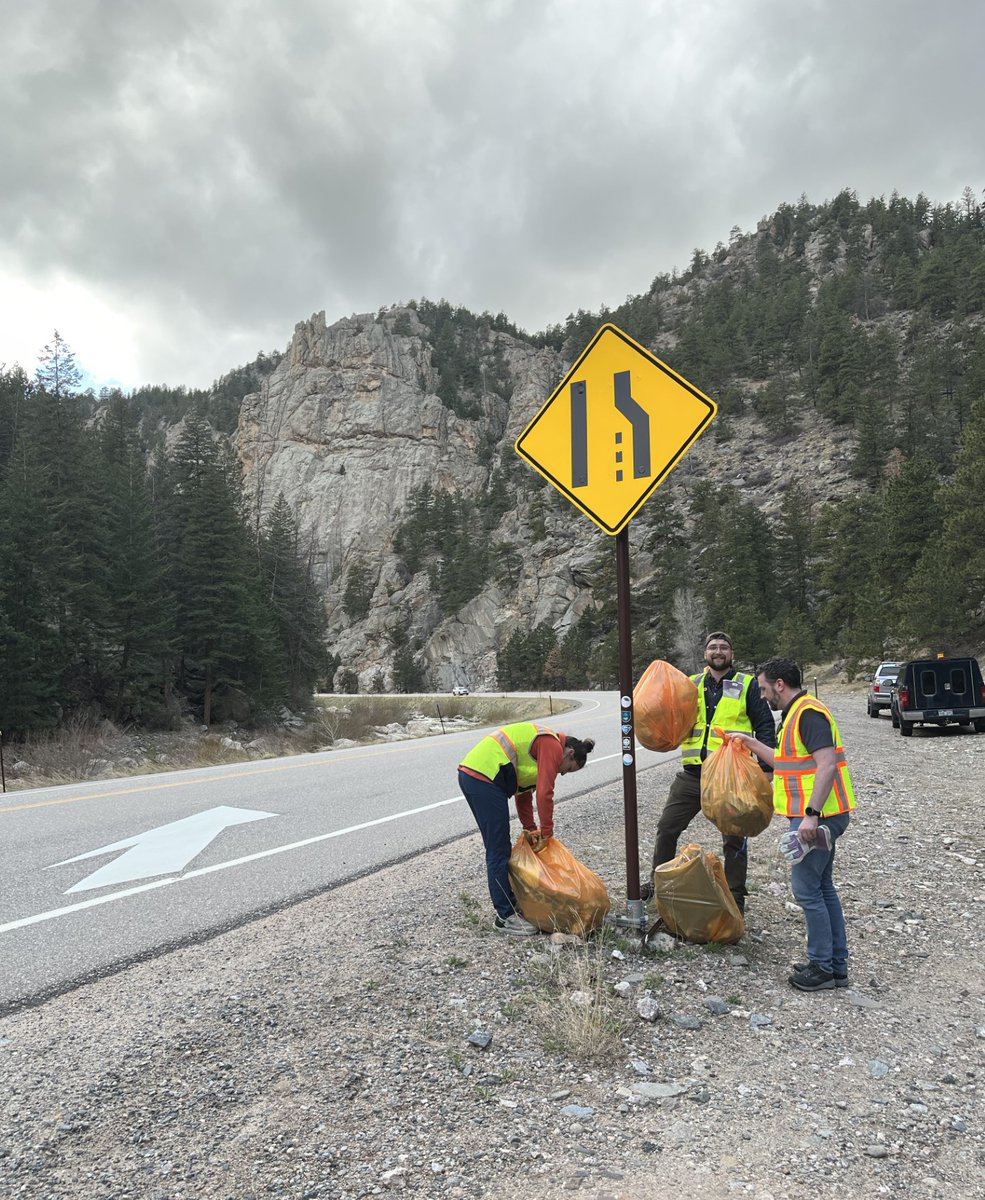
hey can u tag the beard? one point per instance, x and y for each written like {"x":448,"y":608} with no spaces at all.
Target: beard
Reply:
{"x":719,"y":662}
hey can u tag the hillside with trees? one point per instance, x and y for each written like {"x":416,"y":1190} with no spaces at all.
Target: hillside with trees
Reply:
{"x":138,"y":582}
{"x":135,"y":586}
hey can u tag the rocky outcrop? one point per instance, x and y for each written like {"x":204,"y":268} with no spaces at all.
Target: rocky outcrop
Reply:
{"x":349,"y":424}
{"x":347,"y":427}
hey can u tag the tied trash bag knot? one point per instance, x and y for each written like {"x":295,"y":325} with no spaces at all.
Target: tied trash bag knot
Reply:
{"x":665,"y":706}
{"x":736,"y":795}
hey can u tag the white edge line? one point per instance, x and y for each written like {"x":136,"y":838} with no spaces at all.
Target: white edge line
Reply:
{"x":235,"y":862}
{"x":38,"y":918}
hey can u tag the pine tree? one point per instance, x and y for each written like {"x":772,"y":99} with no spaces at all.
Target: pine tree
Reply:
{"x":958,"y":556}
{"x":15,"y":389}
{"x":138,"y":622}
{"x":359,"y":588}
{"x":30,"y":647}
{"x":60,"y":455}
{"x":294,"y":599}
{"x":57,"y":372}
{"x":224,"y":627}
{"x":851,"y":619}
{"x":793,"y":553}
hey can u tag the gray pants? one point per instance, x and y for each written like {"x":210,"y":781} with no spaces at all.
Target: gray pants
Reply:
{"x":683,"y":805}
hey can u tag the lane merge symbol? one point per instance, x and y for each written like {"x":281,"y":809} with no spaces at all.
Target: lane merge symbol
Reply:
{"x":614,"y":428}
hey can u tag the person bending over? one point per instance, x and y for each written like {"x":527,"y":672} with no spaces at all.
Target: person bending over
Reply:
{"x":518,"y":760}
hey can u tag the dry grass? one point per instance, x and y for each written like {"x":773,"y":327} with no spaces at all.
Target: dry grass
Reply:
{"x":61,"y":755}
{"x":576,"y":1010}
{"x":90,"y":749}
{"x":358,"y":717}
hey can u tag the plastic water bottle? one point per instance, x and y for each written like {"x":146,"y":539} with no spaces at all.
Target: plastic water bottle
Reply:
{"x":794,"y":848}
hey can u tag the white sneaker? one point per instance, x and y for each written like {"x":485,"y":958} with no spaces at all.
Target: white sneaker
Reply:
{"x":516,"y":925}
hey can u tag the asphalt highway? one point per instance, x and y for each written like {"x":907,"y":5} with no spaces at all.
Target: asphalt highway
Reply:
{"x":102,"y":874}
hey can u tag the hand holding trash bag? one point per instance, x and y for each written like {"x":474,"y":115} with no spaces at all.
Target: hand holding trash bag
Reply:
{"x":555,"y":891}
{"x":736,"y":795}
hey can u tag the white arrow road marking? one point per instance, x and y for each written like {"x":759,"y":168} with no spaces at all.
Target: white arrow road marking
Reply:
{"x":163,"y":850}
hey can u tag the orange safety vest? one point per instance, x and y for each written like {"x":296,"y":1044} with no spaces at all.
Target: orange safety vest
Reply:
{"x":795,"y":768}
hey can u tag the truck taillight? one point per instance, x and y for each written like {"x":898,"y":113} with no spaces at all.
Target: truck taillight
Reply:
{"x":981,"y":694}
{"x":904,"y":698}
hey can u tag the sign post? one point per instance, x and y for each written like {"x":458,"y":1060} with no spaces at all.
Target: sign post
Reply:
{"x":607,"y":437}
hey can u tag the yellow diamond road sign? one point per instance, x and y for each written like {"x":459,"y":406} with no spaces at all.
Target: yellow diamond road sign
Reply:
{"x":615,"y":428}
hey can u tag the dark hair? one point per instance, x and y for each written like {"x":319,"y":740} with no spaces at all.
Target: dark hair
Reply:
{"x":782,"y":668}
{"x":718,"y":637}
{"x":579,"y":747}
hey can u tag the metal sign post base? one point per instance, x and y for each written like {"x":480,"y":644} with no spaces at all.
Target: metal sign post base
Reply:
{"x":633,"y":918}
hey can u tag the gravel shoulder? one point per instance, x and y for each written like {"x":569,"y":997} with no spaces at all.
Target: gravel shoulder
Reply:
{"x":324,"y":1051}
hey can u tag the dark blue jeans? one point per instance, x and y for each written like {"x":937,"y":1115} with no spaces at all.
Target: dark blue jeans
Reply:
{"x":814,"y":891}
{"x":490,"y":806}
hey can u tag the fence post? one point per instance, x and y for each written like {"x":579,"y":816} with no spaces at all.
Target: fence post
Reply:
{"x":440,"y":717}
{"x":3,"y":778}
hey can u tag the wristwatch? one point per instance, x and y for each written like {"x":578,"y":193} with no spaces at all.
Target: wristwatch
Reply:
{"x":812,"y":812}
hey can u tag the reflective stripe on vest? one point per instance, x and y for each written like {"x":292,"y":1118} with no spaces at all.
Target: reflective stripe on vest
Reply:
{"x":795,"y":768}
{"x":731,"y":714}
{"x":511,"y":744}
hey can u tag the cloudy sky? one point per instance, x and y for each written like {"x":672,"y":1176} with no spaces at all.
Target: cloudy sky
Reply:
{"x":184,"y":180}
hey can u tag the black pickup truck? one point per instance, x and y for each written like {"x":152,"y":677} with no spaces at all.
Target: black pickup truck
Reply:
{"x":938,"y":691}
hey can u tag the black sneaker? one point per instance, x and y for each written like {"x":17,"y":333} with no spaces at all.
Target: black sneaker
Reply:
{"x":812,"y":979}
{"x":841,"y":981}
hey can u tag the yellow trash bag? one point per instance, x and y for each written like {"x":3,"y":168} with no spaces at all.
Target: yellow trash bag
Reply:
{"x":693,"y":898}
{"x":736,"y":794}
{"x":665,"y":706}
{"x":555,"y":891}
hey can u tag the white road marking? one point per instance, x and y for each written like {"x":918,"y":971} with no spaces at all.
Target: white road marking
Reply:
{"x":38,"y":918}
{"x":162,"y":850}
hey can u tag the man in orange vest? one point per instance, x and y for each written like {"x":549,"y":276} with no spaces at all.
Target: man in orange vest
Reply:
{"x":813,"y":788}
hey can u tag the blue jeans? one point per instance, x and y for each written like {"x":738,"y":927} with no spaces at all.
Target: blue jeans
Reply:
{"x":814,"y":891}
{"x":490,"y":806}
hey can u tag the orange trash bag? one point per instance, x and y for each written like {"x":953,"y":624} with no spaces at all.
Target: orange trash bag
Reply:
{"x":555,"y":891}
{"x":693,"y":898}
{"x":736,"y":794}
{"x":665,"y":706}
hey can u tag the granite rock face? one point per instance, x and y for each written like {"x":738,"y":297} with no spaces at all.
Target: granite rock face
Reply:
{"x":347,"y":427}
{"x":350,"y":424}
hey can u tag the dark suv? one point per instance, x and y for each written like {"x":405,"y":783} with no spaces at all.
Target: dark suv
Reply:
{"x":938,"y":691}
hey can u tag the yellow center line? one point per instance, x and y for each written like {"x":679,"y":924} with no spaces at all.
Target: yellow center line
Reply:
{"x":178,"y":783}
{"x":256,"y":770}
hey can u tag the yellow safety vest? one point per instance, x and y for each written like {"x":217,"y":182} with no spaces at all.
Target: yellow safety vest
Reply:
{"x":730,"y":714}
{"x":796,"y":769}
{"x":511,"y":744}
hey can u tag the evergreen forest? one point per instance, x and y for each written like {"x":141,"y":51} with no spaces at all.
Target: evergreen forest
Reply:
{"x":133,"y":585}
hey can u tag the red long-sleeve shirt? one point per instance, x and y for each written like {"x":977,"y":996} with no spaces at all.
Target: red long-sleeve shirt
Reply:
{"x":547,"y":751}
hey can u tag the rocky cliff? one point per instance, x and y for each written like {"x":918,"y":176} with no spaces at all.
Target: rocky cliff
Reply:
{"x":350,"y":424}
{"x":347,"y":427}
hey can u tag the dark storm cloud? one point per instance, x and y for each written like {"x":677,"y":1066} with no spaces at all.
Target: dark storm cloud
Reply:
{"x":218,"y":171}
